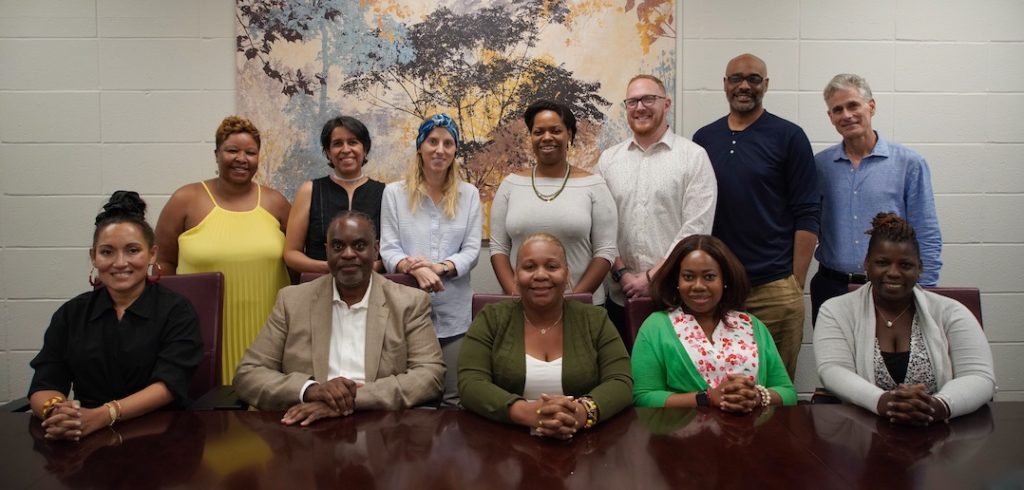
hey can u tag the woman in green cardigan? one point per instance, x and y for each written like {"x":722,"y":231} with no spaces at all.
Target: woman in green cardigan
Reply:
{"x":552,"y":365}
{"x":702,"y":350}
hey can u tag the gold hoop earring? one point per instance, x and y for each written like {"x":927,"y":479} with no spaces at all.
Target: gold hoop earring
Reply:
{"x":150,"y":277}
{"x":95,"y":282}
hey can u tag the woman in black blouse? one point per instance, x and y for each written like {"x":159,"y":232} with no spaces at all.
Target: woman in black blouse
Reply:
{"x":127,"y":348}
{"x":346,"y":143}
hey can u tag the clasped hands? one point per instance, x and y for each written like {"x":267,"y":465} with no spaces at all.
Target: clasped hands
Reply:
{"x":635,"y":284}
{"x":911,"y":405}
{"x":554,"y":416}
{"x":427,"y":273}
{"x":335,"y":398}
{"x":69,"y":421}
{"x":736,"y":394}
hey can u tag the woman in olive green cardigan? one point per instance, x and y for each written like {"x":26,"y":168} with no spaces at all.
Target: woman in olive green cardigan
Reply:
{"x":595,"y":380}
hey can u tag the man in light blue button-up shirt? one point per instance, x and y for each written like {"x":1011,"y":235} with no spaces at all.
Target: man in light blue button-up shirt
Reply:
{"x":859,"y":178}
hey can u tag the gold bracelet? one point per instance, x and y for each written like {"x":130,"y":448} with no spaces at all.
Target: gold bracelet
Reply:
{"x":112,"y":410}
{"x":49,"y":405}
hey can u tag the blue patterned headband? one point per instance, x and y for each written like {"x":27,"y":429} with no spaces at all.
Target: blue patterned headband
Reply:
{"x":441,"y":120}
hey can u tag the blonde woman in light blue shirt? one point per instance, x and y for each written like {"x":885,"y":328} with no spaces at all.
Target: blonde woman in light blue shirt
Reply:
{"x":431,"y":228}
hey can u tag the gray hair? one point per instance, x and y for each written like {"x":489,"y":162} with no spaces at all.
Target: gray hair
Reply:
{"x":847,"y":81}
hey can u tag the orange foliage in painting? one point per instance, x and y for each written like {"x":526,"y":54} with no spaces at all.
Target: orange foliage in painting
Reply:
{"x":386,"y":7}
{"x":655,"y":20}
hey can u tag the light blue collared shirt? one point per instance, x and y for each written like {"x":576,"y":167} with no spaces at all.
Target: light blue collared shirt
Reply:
{"x":429,"y":233}
{"x":891,"y":178}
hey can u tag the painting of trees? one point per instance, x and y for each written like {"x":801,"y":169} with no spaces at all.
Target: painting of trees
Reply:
{"x":392,"y":63}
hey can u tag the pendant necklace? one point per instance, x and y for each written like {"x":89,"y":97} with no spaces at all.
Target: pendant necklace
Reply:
{"x":544,"y":331}
{"x":548,"y":197}
{"x":888,"y":323}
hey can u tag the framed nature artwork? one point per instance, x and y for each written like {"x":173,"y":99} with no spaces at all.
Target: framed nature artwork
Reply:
{"x":393,"y":63}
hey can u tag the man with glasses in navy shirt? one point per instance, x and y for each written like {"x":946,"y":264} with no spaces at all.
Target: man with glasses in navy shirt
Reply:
{"x":859,"y":178}
{"x":768,"y":201}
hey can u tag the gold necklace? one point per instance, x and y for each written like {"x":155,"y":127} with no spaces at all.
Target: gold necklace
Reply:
{"x":543,"y":331}
{"x":548,"y":197}
{"x":888,"y":323}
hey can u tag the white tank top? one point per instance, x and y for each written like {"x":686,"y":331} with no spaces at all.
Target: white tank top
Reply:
{"x":542,"y":377}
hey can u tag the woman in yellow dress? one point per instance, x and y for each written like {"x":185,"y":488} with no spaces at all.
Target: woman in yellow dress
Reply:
{"x":232,"y":225}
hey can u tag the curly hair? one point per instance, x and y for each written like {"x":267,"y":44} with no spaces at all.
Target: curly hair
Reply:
{"x":563,"y":111}
{"x":889,"y":227}
{"x":124,"y":207}
{"x":665,"y":283}
{"x":234,"y":125}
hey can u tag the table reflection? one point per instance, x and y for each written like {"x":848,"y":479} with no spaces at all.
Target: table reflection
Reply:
{"x":121,"y":455}
{"x":870,"y":451}
{"x":830,"y":446}
{"x":709,"y":448}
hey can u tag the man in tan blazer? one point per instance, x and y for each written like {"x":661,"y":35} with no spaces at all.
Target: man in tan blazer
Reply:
{"x":351,"y":340}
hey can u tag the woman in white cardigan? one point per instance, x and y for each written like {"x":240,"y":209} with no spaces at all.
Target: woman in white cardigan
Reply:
{"x":909,"y":355}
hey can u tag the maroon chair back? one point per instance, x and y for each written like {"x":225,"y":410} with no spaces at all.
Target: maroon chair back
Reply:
{"x":969,"y":297}
{"x":309,"y":276}
{"x":403,"y":279}
{"x":480,"y":300}
{"x":637,"y":310}
{"x":205,"y":291}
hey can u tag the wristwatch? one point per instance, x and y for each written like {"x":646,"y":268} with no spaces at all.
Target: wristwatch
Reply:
{"x":702,"y":399}
{"x":445,"y":269}
{"x":617,"y":274}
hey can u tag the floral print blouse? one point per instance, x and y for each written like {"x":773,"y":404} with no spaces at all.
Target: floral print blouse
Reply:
{"x":731,"y":350}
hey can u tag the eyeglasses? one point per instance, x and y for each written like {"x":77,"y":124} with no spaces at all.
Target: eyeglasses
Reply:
{"x":753,"y":80}
{"x":646,"y":100}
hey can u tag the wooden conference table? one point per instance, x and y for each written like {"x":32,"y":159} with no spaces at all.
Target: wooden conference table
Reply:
{"x":808,"y":446}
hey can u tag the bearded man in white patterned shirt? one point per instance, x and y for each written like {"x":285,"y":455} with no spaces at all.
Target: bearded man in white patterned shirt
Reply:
{"x":664,"y":188}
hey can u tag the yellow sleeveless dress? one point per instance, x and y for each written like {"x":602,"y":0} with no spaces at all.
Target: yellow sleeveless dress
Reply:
{"x":248,"y":247}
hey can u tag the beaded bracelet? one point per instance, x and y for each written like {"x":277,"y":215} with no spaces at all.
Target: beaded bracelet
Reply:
{"x":766,"y":397}
{"x":50,"y":405}
{"x":592,"y":411}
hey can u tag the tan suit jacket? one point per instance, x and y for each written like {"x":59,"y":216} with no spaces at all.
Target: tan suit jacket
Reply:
{"x":403,"y":357}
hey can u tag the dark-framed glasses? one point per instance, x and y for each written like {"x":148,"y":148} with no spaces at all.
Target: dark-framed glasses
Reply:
{"x":646,"y":100}
{"x":753,"y":80}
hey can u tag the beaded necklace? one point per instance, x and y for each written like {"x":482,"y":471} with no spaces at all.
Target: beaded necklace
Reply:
{"x":548,"y":197}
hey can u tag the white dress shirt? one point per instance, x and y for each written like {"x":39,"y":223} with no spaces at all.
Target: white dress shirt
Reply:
{"x":663,"y":194}
{"x":431,"y":234}
{"x":347,"y":357}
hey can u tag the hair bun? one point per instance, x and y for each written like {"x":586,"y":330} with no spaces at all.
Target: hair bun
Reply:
{"x":123,"y":204}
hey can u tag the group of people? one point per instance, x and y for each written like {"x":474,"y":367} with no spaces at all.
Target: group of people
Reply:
{"x":719,"y":232}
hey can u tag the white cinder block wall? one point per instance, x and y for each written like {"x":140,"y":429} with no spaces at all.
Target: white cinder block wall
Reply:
{"x":100,"y":95}
{"x":948,"y":77}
